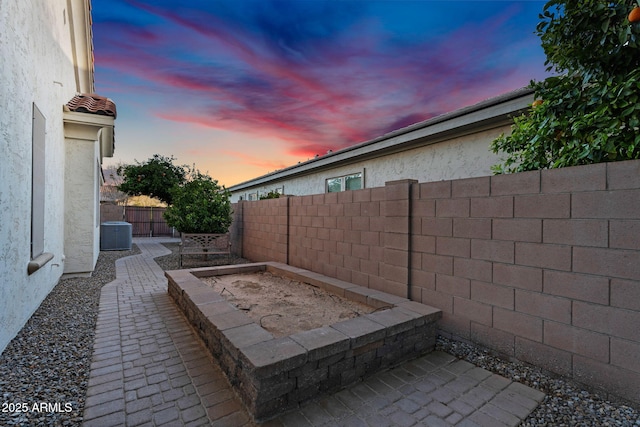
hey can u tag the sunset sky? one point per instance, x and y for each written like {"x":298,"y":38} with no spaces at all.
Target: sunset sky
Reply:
{"x":241,"y":88}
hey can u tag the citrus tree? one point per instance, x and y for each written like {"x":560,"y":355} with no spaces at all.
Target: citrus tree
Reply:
{"x":589,"y":111}
{"x":155,"y":178}
{"x":200,"y":205}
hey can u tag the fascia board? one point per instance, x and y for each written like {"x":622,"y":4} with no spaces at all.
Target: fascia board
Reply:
{"x":79,"y":13}
{"x":87,"y":126}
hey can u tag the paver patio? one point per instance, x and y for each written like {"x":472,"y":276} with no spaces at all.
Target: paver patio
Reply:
{"x":149,"y":368}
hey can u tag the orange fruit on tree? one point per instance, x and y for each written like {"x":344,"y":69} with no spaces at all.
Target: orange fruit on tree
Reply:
{"x":536,"y":103}
{"x":634,"y":16}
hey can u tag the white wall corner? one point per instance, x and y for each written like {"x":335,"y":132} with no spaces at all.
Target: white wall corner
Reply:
{"x":91,"y":127}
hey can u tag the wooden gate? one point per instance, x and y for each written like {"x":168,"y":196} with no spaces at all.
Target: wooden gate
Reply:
{"x":148,"y":222}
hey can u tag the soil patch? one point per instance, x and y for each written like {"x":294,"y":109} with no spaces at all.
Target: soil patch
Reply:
{"x":283,"y":306}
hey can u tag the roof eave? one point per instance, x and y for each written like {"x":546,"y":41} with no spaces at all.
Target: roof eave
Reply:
{"x":488,"y":114}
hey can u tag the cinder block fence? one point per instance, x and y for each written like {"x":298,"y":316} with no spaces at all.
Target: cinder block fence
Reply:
{"x":541,"y":266}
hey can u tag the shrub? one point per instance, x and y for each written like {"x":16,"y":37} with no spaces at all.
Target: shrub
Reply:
{"x":270,"y":195}
{"x":200,"y":205}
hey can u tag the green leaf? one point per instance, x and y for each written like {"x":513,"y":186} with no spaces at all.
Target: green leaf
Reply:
{"x":591,"y":112}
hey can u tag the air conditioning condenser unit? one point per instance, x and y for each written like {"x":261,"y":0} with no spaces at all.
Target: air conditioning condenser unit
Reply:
{"x":115,"y":236}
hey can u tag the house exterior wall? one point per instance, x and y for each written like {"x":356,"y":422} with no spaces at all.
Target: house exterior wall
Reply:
{"x":459,"y":157}
{"x":540,"y":266}
{"x":35,"y":44}
{"x":450,"y":146}
{"x":82,"y":230}
{"x":83,"y":154}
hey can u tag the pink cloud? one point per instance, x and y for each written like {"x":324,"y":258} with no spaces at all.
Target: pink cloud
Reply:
{"x":254,"y":161}
{"x":329,"y":97}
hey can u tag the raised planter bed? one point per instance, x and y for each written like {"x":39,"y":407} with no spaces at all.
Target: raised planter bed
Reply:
{"x":272,"y":375}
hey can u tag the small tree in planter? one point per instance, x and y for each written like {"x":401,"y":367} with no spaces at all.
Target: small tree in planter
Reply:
{"x":200,"y":205}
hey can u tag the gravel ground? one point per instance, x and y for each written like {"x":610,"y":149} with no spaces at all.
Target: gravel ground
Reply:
{"x":565,"y":404}
{"x":172,"y":261}
{"x":49,"y":360}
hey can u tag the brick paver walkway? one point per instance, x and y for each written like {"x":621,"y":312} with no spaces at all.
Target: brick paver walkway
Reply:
{"x":150,"y":369}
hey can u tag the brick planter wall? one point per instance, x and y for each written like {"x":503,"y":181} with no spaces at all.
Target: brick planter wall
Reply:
{"x":542,"y":266}
{"x":272,"y":375}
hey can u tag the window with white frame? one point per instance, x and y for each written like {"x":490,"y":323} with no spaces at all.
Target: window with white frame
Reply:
{"x":253,"y":196}
{"x":345,"y":183}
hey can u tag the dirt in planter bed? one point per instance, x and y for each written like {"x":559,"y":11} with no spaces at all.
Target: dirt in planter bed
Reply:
{"x":283,"y":306}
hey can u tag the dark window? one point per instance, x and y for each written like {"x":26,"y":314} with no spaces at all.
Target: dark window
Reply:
{"x":37,"y":183}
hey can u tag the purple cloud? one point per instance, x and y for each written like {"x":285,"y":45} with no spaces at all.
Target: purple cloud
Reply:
{"x":317,"y":75}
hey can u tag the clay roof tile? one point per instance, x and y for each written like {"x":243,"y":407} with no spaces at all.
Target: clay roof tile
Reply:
{"x":93,"y":104}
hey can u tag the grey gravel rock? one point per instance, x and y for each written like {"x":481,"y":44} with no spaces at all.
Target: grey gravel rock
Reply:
{"x":566,"y":403}
{"x":44,"y":370}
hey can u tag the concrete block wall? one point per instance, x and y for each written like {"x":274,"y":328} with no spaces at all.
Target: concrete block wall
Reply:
{"x":264,"y":230}
{"x":338,"y":235}
{"x":540,"y":266}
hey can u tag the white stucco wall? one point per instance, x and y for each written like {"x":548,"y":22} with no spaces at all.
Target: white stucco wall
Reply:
{"x":35,"y":67}
{"x":82,"y":193}
{"x":82,"y":234}
{"x":462,"y":157}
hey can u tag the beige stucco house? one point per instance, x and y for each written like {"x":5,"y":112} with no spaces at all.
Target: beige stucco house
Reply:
{"x":54,"y":134}
{"x":451,"y":146}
